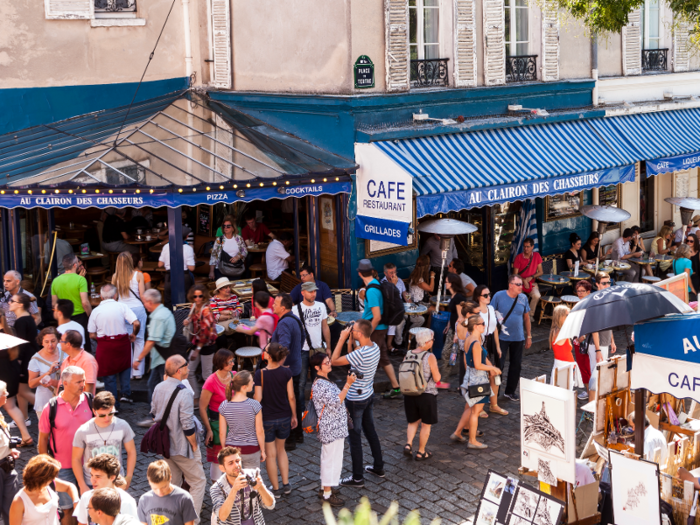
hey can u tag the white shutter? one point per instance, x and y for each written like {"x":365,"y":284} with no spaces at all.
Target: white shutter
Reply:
{"x":550,"y":41}
{"x":221,"y":43}
{"x":632,"y":44}
{"x":465,"y":43}
{"x":224,"y":138}
{"x":681,"y":46}
{"x":397,"y":49}
{"x":69,"y":9}
{"x":494,"y":43}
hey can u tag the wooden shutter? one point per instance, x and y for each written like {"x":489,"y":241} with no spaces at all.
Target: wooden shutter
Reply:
{"x":632,"y":44}
{"x":681,"y":46}
{"x":550,"y":41}
{"x":69,"y":9}
{"x":397,"y":49}
{"x":221,"y":43}
{"x":494,"y":43}
{"x":224,"y":138}
{"x":465,"y":43}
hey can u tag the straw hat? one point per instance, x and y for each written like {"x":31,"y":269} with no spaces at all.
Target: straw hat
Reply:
{"x":696,"y":220}
{"x":221,"y":282}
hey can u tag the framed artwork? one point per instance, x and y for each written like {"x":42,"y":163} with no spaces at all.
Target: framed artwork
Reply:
{"x":635,"y":490}
{"x":547,"y":431}
{"x":379,"y":248}
{"x":562,"y":206}
{"x":327,"y":213}
{"x":609,"y":195}
{"x":532,"y":507}
{"x":496,"y":498}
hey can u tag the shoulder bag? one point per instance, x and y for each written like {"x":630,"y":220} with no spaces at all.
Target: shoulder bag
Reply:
{"x":512,"y":307}
{"x":478,"y":385}
{"x":157,"y":439}
{"x":312,"y":350}
{"x":187,"y":330}
{"x":225,"y":266}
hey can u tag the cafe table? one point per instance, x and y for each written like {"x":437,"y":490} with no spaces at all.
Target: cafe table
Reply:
{"x":251,"y":353}
{"x":142,"y":243}
{"x":444,"y":301}
{"x":570,"y":300}
{"x":258,"y":248}
{"x":580,"y":277}
{"x":91,"y":257}
{"x":415,"y":309}
{"x":158,"y":248}
{"x":554,"y":280}
{"x":348,"y":317}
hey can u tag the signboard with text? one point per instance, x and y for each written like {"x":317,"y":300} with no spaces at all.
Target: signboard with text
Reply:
{"x":364,"y":72}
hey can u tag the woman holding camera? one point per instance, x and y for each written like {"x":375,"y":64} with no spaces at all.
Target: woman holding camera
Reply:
{"x":329,"y":402}
{"x":274,"y":389}
{"x":8,"y":455}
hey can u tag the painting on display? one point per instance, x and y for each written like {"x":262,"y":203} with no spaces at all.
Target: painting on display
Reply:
{"x":326,"y":211}
{"x":532,"y":507}
{"x":547,"y":431}
{"x":562,"y":206}
{"x":496,"y":499}
{"x":635,"y":491}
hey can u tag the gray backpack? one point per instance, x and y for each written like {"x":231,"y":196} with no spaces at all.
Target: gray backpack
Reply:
{"x":411,"y":377}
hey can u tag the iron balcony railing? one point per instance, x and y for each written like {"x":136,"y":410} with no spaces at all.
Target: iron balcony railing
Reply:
{"x":521,"y":68}
{"x":429,"y":72}
{"x":115,"y":6}
{"x":654,"y":59}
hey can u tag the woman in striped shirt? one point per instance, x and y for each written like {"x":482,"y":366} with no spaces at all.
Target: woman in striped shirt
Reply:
{"x":224,"y":302}
{"x":240,"y":421}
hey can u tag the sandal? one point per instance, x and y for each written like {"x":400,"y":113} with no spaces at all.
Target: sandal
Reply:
{"x":480,"y":446}
{"x":26,"y":443}
{"x":498,"y":410}
{"x":422,"y":456}
{"x":408,"y":450}
{"x":483,"y":414}
{"x":458,"y":439}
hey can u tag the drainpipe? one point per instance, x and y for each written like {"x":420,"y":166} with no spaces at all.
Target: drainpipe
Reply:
{"x":188,"y":38}
{"x":594,"y":67}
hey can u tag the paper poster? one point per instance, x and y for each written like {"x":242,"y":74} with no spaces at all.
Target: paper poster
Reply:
{"x":533,"y":507}
{"x":495,"y":499}
{"x":635,"y":491}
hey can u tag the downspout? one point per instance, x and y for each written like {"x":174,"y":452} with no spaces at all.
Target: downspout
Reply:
{"x":189,"y":71}
{"x":594,"y":67}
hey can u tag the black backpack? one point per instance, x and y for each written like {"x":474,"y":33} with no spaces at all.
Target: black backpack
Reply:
{"x":393,"y":304}
{"x":53,"y":409}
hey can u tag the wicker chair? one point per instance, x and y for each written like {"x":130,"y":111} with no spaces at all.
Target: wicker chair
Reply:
{"x":345,"y":299}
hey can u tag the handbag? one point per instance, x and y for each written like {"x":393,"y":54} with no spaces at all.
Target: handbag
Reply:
{"x":478,"y":384}
{"x":214,"y":425}
{"x":226,"y":267}
{"x":187,"y":330}
{"x":157,"y":439}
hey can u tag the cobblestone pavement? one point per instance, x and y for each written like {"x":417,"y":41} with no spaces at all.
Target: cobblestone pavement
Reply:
{"x":448,"y":485}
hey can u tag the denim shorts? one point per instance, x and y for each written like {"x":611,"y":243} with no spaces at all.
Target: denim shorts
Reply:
{"x":64,"y":499}
{"x":277,"y":429}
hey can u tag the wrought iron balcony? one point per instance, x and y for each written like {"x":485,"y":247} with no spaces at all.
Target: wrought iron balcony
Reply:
{"x":429,"y":72}
{"x":115,"y":6}
{"x":521,"y":68}
{"x":654,"y":59}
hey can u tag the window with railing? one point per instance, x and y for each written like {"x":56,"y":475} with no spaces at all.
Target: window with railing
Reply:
{"x":115,"y":7}
{"x":427,"y":68}
{"x":655,"y":59}
{"x":520,"y":66}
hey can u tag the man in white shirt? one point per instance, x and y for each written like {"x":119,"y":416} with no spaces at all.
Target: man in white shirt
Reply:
{"x":108,"y":325}
{"x":653,"y":439}
{"x":621,"y":251}
{"x":105,"y":508}
{"x":189,"y":264}
{"x":314,"y":318}
{"x":277,"y":257}
{"x":395,"y":333}
{"x":62,"y":312}
{"x":457,"y":267}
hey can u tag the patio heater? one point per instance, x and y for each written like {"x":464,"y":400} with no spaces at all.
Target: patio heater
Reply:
{"x":687,"y":205}
{"x":446,"y":229}
{"x":605,"y":215}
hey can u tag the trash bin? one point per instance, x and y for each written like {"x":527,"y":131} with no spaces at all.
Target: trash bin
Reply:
{"x":437,"y":325}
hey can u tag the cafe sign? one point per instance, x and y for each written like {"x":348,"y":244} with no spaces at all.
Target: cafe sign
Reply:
{"x":364,"y":72}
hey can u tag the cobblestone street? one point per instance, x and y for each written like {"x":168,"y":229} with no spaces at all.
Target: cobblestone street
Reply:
{"x":448,"y":485}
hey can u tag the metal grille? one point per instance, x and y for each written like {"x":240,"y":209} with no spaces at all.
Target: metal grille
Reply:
{"x":115,"y":6}
{"x":654,"y":59}
{"x":429,"y":72}
{"x":521,"y":68}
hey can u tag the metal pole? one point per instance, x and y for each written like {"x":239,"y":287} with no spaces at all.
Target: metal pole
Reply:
{"x":338,"y":238}
{"x":594,"y":67}
{"x":640,"y":411}
{"x":51,"y":221}
{"x":177,"y":261}
{"x":16,"y":242}
{"x":6,"y":264}
{"x":295,"y":208}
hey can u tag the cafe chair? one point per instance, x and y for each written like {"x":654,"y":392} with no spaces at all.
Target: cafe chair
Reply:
{"x":96,"y":274}
{"x":547,"y":300}
{"x":549,"y":265}
{"x":288,"y":282}
{"x":258,"y":268}
{"x":345,"y":300}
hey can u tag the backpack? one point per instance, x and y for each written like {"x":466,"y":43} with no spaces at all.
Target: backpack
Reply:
{"x":393,"y":304}
{"x":411,"y":377}
{"x":53,"y":409}
{"x":310,"y":419}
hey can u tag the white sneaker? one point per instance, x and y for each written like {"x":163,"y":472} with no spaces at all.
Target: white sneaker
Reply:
{"x":28,"y":422}
{"x":582,"y":394}
{"x":12,"y":425}
{"x":99,"y":384}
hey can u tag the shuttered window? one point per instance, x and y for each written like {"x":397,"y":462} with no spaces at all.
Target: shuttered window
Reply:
{"x":221,"y":43}
{"x":465,"y":43}
{"x":69,"y":9}
{"x":632,"y":45}
{"x":397,"y":45}
{"x":517,"y":30}
{"x":651,"y":24}
{"x":550,"y":41}
{"x":681,"y":46}
{"x":494,"y":43}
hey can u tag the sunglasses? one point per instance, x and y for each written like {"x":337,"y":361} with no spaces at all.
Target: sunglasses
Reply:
{"x":228,"y":226}
{"x":485,"y":295}
{"x":110,"y":414}
{"x":199,"y":296}
{"x":183,"y":366}
{"x":517,"y":284}
{"x":480,"y":324}
{"x":605,"y":282}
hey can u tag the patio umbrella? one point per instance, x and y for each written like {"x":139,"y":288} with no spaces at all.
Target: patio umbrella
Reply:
{"x":9,"y":341}
{"x":620,"y":305}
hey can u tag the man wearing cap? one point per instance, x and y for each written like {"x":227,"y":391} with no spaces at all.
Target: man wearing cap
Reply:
{"x":188,"y":266}
{"x":323,"y":294}
{"x":314,"y":320}
{"x":374,"y":308}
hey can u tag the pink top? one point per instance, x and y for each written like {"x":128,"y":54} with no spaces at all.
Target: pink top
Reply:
{"x":262,"y":323}
{"x":218,"y":391}
{"x":67,"y":423}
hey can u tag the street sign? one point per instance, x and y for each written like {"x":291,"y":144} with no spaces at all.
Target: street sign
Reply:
{"x":364,"y":72}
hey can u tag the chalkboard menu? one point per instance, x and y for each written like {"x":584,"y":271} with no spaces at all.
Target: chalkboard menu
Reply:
{"x":562,"y":206}
{"x":204,"y":220}
{"x":609,"y":196}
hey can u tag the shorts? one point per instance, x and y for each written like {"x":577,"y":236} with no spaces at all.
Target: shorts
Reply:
{"x":64,"y":499}
{"x":421,"y":408}
{"x":277,"y":429}
{"x":379,"y":337}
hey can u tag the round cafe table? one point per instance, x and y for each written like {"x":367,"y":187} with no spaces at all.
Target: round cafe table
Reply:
{"x":554,"y":280}
{"x":444,"y":301}
{"x":415,"y":309}
{"x":580,"y":277}
{"x":570,"y":300}
{"x":251,"y":353}
{"x":245,"y":322}
{"x":258,"y":248}
{"x":348,"y":317}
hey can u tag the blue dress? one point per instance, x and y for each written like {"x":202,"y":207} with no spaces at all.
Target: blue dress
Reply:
{"x":470,"y":364}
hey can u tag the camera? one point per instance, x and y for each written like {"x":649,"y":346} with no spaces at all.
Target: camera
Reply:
{"x":251,"y":476}
{"x":357,"y":373}
{"x":15,"y":442}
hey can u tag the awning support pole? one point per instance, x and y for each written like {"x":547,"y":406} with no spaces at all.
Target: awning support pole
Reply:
{"x":640,"y":412}
{"x":177,"y":261}
{"x":15,"y":243}
{"x":295,"y":207}
{"x":339,"y":238}
{"x":51,"y":221}
{"x":6,"y":262}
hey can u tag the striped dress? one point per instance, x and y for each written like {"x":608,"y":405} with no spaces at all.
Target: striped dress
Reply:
{"x":240,"y":417}
{"x":219,"y":306}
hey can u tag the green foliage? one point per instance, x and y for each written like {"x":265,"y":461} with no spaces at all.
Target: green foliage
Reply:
{"x":601,"y":16}
{"x":689,"y":9}
{"x":365,"y":516}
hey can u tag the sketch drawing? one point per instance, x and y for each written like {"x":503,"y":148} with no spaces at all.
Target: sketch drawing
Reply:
{"x":517,"y":520}
{"x":494,"y":487}
{"x":525,"y":503}
{"x":548,"y":512}
{"x":487,"y":513}
{"x":540,"y":430}
{"x":544,"y":472}
{"x":634,"y":496}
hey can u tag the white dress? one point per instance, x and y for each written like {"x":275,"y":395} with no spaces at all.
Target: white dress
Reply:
{"x":46,"y":514}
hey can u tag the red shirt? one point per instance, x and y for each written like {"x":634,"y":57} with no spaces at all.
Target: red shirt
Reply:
{"x":66,"y":425}
{"x":520,"y":263}
{"x":259,"y":235}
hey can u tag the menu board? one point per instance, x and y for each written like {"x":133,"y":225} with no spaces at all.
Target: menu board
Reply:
{"x":204,"y":220}
{"x":562,"y":206}
{"x":609,"y":196}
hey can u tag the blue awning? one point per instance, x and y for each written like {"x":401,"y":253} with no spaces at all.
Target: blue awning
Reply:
{"x":466,"y":170}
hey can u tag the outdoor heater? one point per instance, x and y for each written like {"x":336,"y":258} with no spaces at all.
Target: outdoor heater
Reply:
{"x":605,"y":215}
{"x":446,"y":229}
{"x":687,"y":205}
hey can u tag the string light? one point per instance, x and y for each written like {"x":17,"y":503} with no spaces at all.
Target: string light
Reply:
{"x":111,"y":191}
{"x":30,"y":192}
{"x":180,"y":190}
{"x":247,"y":185}
{"x":194,"y":189}
{"x":221,"y":187}
{"x":208,"y":188}
{"x":138,"y":191}
{"x":43,"y":191}
{"x":325,"y":180}
{"x":2,"y":192}
{"x":70,"y":191}
{"x":337,"y":179}
{"x":151,"y":191}
{"x":261,"y":184}
{"x":123,"y":191}
{"x":274,"y":184}
{"x":84,"y":191}
{"x":97,"y":191}
{"x":287,"y":183}
{"x":57,"y":191}
{"x":313,"y":181}
{"x":16,"y":192}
